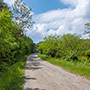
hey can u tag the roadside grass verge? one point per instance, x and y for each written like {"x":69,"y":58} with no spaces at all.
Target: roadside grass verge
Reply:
{"x":13,"y":78}
{"x":80,"y":68}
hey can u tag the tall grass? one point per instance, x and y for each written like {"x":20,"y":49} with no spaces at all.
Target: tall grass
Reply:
{"x":80,"y":68}
{"x":13,"y":78}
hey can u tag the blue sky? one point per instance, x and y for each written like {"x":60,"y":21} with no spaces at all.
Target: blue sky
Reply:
{"x":41,"y":6}
{"x":57,"y":17}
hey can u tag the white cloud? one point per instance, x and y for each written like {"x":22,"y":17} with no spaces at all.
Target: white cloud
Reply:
{"x":62,"y":21}
{"x":10,"y":2}
{"x":70,"y":2}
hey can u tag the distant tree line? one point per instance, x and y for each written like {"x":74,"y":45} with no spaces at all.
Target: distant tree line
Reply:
{"x":69,"y":47}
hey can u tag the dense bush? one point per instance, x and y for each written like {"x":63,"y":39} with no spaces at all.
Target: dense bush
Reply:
{"x":72,"y":56}
{"x":69,"y":46}
{"x":13,"y":77}
{"x":13,"y":42}
{"x":87,"y":53}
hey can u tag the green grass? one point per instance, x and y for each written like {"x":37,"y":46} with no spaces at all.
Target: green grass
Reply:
{"x":13,"y":78}
{"x":80,"y":68}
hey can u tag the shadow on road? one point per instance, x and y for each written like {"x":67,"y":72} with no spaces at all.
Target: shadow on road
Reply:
{"x":29,"y":78}
{"x":33,"y":63}
{"x":26,"y":78}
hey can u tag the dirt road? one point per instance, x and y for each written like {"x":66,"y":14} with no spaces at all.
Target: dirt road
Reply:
{"x":41,"y":75}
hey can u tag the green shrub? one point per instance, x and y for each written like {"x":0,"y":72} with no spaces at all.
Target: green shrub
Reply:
{"x":72,"y":56}
{"x":13,"y":42}
{"x":59,"y":54}
{"x":87,"y":53}
{"x":44,"y":57}
{"x":13,"y":78}
{"x":83,"y":59}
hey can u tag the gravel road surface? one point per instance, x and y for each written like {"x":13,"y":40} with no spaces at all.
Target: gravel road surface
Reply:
{"x":41,"y":75}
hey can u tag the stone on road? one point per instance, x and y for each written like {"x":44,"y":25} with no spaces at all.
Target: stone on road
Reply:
{"x":41,"y":75}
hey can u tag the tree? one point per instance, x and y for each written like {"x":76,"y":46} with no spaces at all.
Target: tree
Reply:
{"x":87,"y":25}
{"x":22,"y":15}
{"x":13,"y":44}
{"x":2,"y":5}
